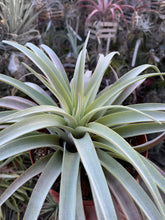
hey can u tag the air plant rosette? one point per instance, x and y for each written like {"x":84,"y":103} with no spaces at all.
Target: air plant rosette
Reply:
{"x":87,"y":128}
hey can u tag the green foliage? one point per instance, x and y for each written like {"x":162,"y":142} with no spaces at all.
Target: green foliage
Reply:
{"x":11,"y":169}
{"x":86,"y":127}
{"x":19,"y":19}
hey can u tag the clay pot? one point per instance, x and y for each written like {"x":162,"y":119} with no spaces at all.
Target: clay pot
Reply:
{"x":89,"y":208}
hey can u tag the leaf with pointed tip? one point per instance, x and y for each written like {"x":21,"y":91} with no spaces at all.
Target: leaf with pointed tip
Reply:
{"x":126,"y":92}
{"x":130,"y":117}
{"x":130,"y":75}
{"x":135,"y":72}
{"x":46,"y":65}
{"x":39,"y":58}
{"x":140,"y":129}
{"x":62,"y":96}
{"x":107,"y":97}
{"x":117,"y":109}
{"x":94,"y":83}
{"x":78,"y":80}
{"x":149,"y":144}
{"x":56,"y":61}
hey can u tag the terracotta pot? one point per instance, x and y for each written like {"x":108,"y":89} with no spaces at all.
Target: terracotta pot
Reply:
{"x":89,"y":208}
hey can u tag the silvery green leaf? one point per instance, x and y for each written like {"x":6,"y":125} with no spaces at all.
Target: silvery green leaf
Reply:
{"x":49,"y":174}
{"x":94,"y":171}
{"x":23,"y":178}
{"x":120,"y":175}
{"x":68,"y":187}
{"x":24,"y":144}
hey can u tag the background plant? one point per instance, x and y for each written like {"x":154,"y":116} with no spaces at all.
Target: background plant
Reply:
{"x":104,"y":9}
{"x":11,"y":169}
{"x":19,"y":19}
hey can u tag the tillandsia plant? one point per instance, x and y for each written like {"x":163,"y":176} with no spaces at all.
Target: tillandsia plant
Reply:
{"x":102,"y":9}
{"x":19,"y":19}
{"x":87,"y":128}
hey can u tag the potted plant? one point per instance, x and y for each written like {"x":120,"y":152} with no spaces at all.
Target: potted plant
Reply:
{"x":103,"y":18}
{"x":101,"y":10}
{"x":87,"y":130}
{"x":19,"y":20}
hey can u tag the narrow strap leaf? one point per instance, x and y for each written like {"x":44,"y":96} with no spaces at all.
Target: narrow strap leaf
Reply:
{"x":156,"y":173}
{"x":132,"y":157}
{"x":125,"y":204}
{"x":56,"y":62}
{"x":149,"y":144}
{"x":34,"y":94}
{"x":28,"y":125}
{"x":80,"y":215}
{"x":40,"y":109}
{"x":68,"y":187}
{"x":120,"y":110}
{"x":102,"y":65}
{"x":49,"y":175}
{"x":107,"y":97}
{"x":49,"y":69}
{"x":139,"y":129}
{"x":35,"y":169}
{"x":42,"y":61}
{"x":97,"y":179}
{"x":127,"y":117}
{"x":24,"y":144}
{"x":149,"y":106}
{"x":78,"y":80}
{"x":129,"y":183}
{"x":15,"y":102}
{"x":62,"y":96}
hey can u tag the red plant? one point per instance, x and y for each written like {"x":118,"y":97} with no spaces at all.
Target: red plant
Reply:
{"x":104,"y":8}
